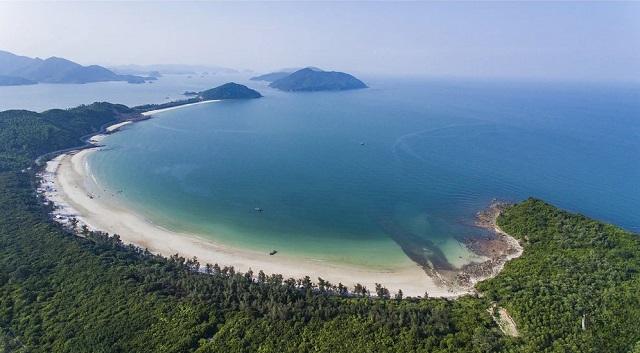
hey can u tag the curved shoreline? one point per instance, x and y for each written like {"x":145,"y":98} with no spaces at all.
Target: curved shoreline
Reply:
{"x":67,"y":182}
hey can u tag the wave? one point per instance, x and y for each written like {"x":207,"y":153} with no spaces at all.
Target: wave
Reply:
{"x":401,"y":144}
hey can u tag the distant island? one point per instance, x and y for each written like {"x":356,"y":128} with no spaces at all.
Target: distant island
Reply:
{"x":314,"y":79}
{"x":171,"y":69}
{"x":22,"y":70}
{"x":272,"y":76}
{"x":230,"y":90}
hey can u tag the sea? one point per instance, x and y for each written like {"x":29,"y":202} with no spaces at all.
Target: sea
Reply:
{"x":363,"y":177}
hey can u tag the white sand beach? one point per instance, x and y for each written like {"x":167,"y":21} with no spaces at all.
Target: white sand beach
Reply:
{"x":115,"y":127}
{"x":151,"y":112}
{"x":68,"y":183}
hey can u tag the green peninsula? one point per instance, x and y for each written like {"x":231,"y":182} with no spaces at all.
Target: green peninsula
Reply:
{"x":226,"y":91}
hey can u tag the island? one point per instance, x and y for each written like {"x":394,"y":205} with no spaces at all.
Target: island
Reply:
{"x":313,"y":79}
{"x":230,"y":90}
{"x":21,"y":70}
{"x":272,"y":76}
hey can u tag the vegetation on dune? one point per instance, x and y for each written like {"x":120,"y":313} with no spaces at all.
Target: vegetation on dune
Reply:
{"x":63,"y":293}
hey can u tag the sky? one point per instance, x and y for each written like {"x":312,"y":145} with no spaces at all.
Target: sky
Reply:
{"x":538,"y":40}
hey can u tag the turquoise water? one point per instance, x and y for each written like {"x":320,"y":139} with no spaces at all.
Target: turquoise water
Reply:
{"x":434,"y":153}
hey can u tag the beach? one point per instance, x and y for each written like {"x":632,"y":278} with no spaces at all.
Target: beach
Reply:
{"x":68,"y":182}
{"x":151,"y":112}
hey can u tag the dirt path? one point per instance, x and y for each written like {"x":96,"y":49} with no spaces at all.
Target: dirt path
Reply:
{"x":504,"y":321}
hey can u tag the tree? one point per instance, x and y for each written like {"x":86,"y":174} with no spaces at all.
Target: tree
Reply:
{"x":399,"y":295}
{"x":382,"y":292}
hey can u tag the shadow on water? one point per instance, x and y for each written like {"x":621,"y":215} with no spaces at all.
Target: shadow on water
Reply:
{"x":422,"y":251}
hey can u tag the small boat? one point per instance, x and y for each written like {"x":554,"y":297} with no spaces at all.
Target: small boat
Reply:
{"x":273,"y":252}
{"x":361,"y":143}
{"x":258,"y":209}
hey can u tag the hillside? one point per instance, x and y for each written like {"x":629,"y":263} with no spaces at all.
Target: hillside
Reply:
{"x":229,"y":90}
{"x":57,"y":70}
{"x":226,"y":91}
{"x":312,"y":79}
{"x":572,"y":268}
{"x":25,"y":135}
{"x":15,"y":81}
{"x":272,"y":76}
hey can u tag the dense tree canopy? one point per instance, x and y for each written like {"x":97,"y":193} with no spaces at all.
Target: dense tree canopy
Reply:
{"x":25,"y":135}
{"x":572,"y":267}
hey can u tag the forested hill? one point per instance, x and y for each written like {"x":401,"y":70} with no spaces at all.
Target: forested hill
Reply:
{"x":24,"y":135}
{"x":63,"y":293}
{"x":227,"y":91}
{"x":572,"y":268}
{"x":313,"y":79}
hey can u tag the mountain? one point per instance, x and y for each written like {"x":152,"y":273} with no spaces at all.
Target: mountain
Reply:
{"x":229,"y":90}
{"x":57,"y":70}
{"x":313,"y":79}
{"x":15,"y":81}
{"x":272,"y":76}
{"x":282,"y":73}
{"x":10,"y":63}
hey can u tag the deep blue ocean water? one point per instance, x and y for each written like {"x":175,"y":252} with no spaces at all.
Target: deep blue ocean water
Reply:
{"x":348,"y":176}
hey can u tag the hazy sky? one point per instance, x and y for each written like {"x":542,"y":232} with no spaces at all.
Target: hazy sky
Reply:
{"x":591,"y":40}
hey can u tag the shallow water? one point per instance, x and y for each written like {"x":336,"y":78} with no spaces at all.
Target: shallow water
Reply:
{"x":357,"y":177}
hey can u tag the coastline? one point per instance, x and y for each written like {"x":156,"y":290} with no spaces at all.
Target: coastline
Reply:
{"x":499,"y":247}
{"x":151,"y":112}
{"x":95,"y":139}
{"x":67,"y":182}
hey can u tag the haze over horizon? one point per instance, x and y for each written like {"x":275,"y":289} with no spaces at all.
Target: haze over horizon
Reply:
{"x":576,"y":41}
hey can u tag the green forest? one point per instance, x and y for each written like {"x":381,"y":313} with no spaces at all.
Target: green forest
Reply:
{"x":576,"y":288}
